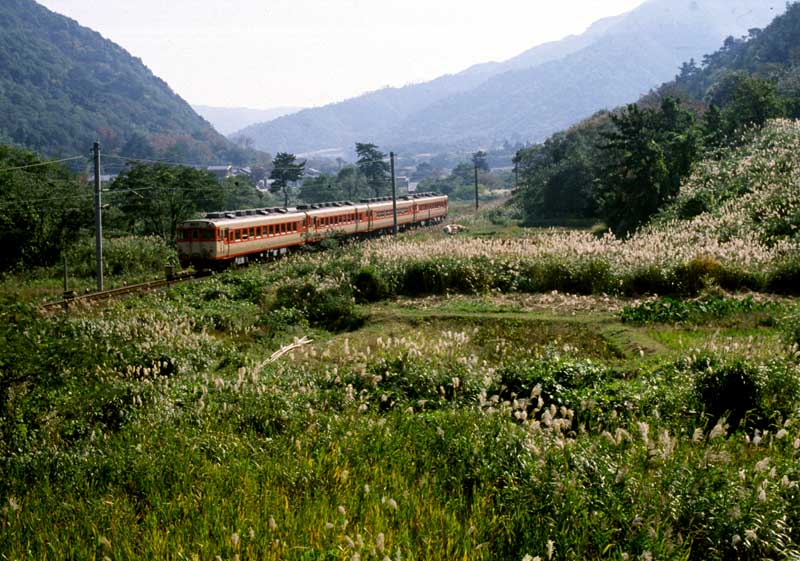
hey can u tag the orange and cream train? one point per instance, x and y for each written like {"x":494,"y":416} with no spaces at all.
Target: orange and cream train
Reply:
{"x":222,"y":238}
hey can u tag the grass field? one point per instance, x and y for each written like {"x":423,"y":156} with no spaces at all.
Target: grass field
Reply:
{"x":444,"y":410}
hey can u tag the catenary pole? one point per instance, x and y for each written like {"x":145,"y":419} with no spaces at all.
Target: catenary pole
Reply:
{"x":394,"y":194}
{"x":98,"y":218}
{"x":476,"y":185}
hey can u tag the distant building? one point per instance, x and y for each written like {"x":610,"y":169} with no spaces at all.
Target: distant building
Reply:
{"x":220,"y":172}
{"x":104,"y":178}
{"x":224,"y":172}
{"x":402,"y":183}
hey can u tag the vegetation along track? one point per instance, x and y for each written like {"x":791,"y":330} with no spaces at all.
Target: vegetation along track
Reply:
{"x":71,"y":299}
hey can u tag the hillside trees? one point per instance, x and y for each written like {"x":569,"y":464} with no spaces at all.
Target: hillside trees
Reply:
{"x":649,"y":153}
{"x":321,"y":189}
{"x":652,"y":145}
{"x":154,"y":199}
{"x":63,"y":86}
{"x":557,"y":178}
{"x":42,"y":209}
{"x":285,"y":171}
{"x":373,"y":167}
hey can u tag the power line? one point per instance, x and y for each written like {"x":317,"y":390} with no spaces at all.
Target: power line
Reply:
{"x":205,"y":166}
{"x":42,"y":164}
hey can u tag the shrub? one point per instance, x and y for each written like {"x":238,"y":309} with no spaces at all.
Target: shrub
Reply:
{"x":785,"y":278}
{"x":122,"y":256}
{"x":748,"y":395}
{"x":331,"y":308}
{"x":731,"y":391}
{"x":648,"y":280}
{"x":669,"y":310}
{"x":791,"y":328}
{"x":370,"y":286}
{"x":584,"y":277}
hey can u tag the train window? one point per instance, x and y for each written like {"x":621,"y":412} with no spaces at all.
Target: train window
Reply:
{"x":207,"y":235}
{"x":238,"y":235}
{"x":195,"y":235}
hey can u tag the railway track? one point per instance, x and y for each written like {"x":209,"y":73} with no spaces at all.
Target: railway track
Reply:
{"x":73,"y":299}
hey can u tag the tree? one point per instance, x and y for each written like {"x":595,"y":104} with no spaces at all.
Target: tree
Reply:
{"x":352,"y":183}
{"x":373,"y":167}
{"x":154,"y":199}
{"x":480,"y":161}
{"x":465,"y":173}
{"x":239,"y":192}
{"x":649,"y":153}
{"x":320,"y":189}
{"x":285,"y":171}
{"x":42,"y":209}
{"x":754,"y":102}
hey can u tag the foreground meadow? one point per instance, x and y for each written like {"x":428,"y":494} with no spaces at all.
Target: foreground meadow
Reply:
{"x":500,"y":395}
{"x":487,"y":425}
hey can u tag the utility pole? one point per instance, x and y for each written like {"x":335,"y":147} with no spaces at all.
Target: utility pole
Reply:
{"x":98,"y":218}
{"x":476,"y":184}
{"x":394,"y":194}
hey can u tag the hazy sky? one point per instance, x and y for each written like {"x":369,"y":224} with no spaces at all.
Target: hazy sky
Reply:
{"x":269,"y":53}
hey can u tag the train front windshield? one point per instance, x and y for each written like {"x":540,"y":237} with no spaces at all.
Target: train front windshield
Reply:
{"x":190,"y":234}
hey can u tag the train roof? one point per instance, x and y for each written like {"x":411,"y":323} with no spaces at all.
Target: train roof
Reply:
{"x":278,"y":215}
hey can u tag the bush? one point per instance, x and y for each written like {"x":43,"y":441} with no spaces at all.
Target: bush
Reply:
{"x":648,"y":280}
{"x":748,"y":395}
{"x":441,"y":277}
{"x":585,"y":277}
{"x":785,"y":278}
{"x":331,"y":308}
{"x":370,"y":286}
{"x":730,"y":391}
{"x":121,"y":257}
{"x":668,"y":310}
{"x":791,"y":329}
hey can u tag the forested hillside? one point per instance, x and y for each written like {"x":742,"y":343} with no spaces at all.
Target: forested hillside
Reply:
{"x":625,"y":165}
{"x":63,"y":86}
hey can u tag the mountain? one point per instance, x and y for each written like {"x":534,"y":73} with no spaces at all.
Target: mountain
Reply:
{"x":338,"y":126}
{"x":63,"y":86}
{"x":228,"y":120}
{"x":532,"y":95}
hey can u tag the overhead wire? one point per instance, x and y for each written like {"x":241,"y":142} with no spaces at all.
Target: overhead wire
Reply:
{"x":42,"y":164}
{"x":128,"y":160}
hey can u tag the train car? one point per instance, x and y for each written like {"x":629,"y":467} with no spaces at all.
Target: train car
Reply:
{"x":431,"y":209}
{"x":238,"y":237}
{"x":222,"y":238}
{"x":336,"y":219}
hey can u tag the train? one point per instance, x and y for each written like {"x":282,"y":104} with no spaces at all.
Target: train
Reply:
{"x":221,"y":239}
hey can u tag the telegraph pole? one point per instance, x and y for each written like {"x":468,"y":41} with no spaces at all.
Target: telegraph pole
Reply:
{"x":476,"y":185}
{"x":394,"y":194}
{"x":98,"y":218}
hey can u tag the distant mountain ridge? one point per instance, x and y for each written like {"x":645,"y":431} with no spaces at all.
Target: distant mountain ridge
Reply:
{"x":529,"y":97}
{"x":63,"y":86}
{"x":228,"y":120}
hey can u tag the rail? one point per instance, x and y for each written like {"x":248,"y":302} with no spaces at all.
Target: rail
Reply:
{"x":72,"y":299}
